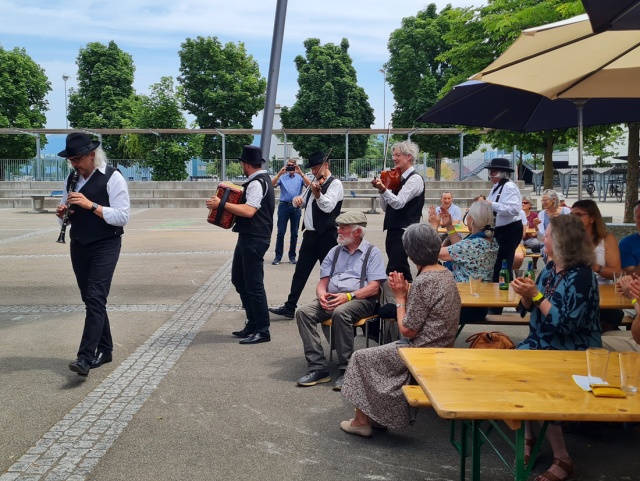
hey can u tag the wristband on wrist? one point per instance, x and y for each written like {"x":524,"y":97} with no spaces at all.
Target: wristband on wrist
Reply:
{"x":399,"y":305}
{"x":633,"y":301}
{"x":537,"y":297}
{"x":349,"y":296}
{"x":451,"y":232}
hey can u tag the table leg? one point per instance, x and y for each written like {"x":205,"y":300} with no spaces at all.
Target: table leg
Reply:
{"x":373,"y":210}
{"x":476,"y":444}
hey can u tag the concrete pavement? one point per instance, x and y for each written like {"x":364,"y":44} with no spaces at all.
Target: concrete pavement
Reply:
{"x":182,"y":399}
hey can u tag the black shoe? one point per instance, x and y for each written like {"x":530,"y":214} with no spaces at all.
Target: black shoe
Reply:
{"x":339,"y":381}
{"x":100,"y":359}
{"x":256,"y":338}
{"x":293,"y":261}
{"x":282,"y":311}
{"x":276,"y":262}
{"x":80,"y":366}
{"x":242,"y":334}
{"x":314,"y":377}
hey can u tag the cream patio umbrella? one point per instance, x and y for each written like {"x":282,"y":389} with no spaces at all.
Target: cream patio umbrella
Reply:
{"x":567,"y":60}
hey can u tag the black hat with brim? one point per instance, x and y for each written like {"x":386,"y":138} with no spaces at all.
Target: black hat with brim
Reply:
{"x":500,"y":164}
{"x":252,"y":155}
{"x":77,"y":144}
{"x":315,"y":159}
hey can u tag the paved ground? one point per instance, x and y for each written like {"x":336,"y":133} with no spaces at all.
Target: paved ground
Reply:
{"x":182,"y":400}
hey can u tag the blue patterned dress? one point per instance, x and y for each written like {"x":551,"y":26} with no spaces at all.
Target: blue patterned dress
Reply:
{"x":573,"y":322}
{"x":473,"y":256}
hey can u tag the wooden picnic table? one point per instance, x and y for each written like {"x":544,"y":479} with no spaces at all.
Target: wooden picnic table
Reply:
{"x":483,"y":386}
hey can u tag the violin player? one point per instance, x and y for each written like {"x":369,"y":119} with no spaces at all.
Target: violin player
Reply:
{"x":322,"y":203}
{"x":402,"y":204}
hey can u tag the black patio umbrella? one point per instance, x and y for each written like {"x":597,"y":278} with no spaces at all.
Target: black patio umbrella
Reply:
{"x":613,"y":14}
{"x":480,"y":104}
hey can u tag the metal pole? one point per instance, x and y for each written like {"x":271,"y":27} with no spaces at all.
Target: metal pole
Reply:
{"x":461,"y":155}
{"x":384,"y":96}
{"x":272,"y":79}
{"x":580,"y":107}
{"x":66,"y":105}
{"x":346,"y":154}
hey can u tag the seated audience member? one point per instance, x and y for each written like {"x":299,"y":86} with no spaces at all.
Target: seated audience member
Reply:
{"x":427,"y":315}
{"x":474,"y":255}
{"x":562,"y":202}
{"x":607,"y":260}
{"x":550,"y":209}
{"x":466,"y":211}
{"x":530,"y":241}
{"x":446,"y":202}
{"x":563,"y":302}
{"x":630,"y":246}
{"x":626,"y":340}
{"x":350,"y":279}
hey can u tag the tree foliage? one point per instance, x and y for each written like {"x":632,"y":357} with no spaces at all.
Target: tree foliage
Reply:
{"x":167,"y":154}
{"x":416,"y":75}
{"x":222,"y":88}
{"x":328,"y":97}
{"x":23,"y":88}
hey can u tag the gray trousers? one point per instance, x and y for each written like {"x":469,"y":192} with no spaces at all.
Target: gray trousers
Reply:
{"x":308,"y":317}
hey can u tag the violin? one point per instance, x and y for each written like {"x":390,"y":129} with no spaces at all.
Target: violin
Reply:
{"x":319,"y":180}
{"x":391,"y":179}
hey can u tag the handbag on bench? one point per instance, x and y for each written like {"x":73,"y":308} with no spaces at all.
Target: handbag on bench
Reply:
{"x":490,"y":340}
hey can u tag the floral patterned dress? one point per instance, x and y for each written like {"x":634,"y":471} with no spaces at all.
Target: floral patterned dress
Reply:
{"x":473,"y":256}
{"x":375,"y":376}
{"x":573,"y":322}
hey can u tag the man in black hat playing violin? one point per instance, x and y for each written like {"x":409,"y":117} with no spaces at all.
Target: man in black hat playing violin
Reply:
{"x":98,"y":207}
{"x":506,"y":201}
{"x":254,"y":224}
{"x":322,"y":201}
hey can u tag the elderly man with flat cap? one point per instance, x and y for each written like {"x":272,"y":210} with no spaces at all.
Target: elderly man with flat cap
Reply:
{"x":254,"y":224}
{"x":97,"y":199}
{"x":350,"y":278}
{"x":322,"y":203}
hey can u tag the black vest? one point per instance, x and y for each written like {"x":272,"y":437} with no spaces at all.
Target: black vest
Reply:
{"x":323,"y":222}
{"x":87,"y":227}
{"x":409,"y":214}
{"x":261,"y":224}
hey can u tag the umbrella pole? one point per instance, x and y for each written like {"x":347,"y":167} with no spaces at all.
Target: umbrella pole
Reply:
{"x":580,"y":107}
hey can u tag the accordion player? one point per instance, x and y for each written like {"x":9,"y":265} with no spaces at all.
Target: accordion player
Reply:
{"x":227,"y":192}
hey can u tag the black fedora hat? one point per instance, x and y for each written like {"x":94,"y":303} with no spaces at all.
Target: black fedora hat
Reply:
{"x":500,"y":164}
{"x":78,"y":143}
{"x":251,"y":155}
{"x":315,"y":159}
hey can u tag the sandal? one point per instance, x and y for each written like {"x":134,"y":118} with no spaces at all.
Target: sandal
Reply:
{"x":528,"y":443}
{"x":566,"y":467}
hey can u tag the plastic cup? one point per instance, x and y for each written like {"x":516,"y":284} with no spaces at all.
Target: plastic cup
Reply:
{"x":629,"y":371}
{"x":474,"y":285}
{"x":597,"y":362}
{"x":518,"y":273}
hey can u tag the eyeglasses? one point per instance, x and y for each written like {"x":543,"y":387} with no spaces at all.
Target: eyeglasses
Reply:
{"x":76,"y":159}
{"x":525,"y":202}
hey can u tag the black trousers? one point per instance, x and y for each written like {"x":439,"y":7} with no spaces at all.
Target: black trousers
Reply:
{"x":247,"y":276}
{"x":398,"y":260}
{"x":508,"y":237}
{"x":94,"y":265}
{"x":314,"y":248}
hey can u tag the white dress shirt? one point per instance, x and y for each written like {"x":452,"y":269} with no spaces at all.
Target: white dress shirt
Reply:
{"x":412,"y":188}
{"x":508,"y":208}
{"x":327,"y":201}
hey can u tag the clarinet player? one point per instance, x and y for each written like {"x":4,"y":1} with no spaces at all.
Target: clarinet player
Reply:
{"x":98,"y":210}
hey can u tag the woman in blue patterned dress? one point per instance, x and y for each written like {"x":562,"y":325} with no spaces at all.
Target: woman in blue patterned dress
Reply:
{"x":474,"y":255}
{"x":564,"y":305}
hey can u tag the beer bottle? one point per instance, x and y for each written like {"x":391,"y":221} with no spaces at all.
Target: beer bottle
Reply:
{"x":530,"y":273}
{"x":503,"y":277}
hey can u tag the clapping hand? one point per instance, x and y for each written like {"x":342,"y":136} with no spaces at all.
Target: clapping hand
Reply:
{"x":434,"y":218}
{"x":629,"y":286}
{"x":525,"y":287}
{"x":399,"y":286}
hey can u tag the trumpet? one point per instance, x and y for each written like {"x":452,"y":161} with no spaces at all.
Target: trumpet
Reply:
{"x":65,"y":219}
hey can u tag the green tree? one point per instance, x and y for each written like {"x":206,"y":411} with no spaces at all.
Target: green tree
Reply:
{"x":631,"y":196}
{"x":222,"y":88}
{"x":167,"y":154}
{"x":416,"y":76}
{"x":105,"y":97}
{"x":328,"y":97}
{"x":23,"y":87}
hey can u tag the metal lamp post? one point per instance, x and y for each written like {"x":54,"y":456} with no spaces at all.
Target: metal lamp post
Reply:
{"x":66,"y":105}
{"x":384,"y":97}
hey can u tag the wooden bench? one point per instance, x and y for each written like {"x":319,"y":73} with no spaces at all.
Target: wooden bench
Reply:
{"x":37,"y":200}
{"x":415,"y":396}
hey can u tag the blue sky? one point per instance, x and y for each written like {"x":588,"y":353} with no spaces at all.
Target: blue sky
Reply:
{"x":53,"y":31}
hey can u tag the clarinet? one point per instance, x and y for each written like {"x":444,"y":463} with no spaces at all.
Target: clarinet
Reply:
{"x":65,"y":219}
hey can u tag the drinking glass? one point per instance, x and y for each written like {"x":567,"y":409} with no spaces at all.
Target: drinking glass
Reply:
{"x":474,"y":285}
{"x":597,"y":362}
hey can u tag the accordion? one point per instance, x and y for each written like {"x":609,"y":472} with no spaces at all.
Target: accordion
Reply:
{"x":227,"y":192}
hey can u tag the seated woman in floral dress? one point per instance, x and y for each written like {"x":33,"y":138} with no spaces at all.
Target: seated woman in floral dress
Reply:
{"x":564,"y":304}
{"x":427,"y":315}
{"x":475,"y":255}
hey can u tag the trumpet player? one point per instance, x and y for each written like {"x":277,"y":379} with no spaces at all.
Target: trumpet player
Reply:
{"x":98,"y":207}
